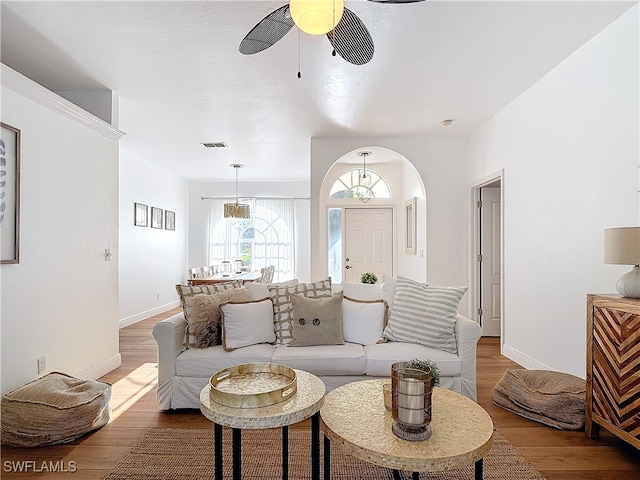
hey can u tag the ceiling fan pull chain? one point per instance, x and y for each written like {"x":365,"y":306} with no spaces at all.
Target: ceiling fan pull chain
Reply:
{"x":299,"y":74}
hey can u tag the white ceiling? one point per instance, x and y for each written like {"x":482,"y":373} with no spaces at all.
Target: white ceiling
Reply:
{"x":181,"y":81}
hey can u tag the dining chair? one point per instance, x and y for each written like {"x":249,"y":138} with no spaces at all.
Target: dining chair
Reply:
{"x":267,"y":274}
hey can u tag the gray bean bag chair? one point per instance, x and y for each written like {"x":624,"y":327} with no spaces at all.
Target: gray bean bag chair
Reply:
{"x":55,"y":408}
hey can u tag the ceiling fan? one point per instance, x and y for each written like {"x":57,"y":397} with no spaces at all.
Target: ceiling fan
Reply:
{"x":346,"y":32}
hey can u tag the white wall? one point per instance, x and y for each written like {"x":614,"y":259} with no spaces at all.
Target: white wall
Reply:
{"x":199,"y":216}
{"x":152,"y":261}
{"x":61,"y":300}
{"x":442,"y":164}
{"x":569,"y":149}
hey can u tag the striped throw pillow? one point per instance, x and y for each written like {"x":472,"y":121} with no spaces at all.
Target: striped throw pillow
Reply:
{"x":424,"y":314}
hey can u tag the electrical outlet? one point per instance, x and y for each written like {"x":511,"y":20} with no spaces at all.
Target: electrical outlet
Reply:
{"x":42,"y":365}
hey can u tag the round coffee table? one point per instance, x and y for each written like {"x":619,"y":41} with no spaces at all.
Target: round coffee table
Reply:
{"x":356,"y":421}
{"x":304,"y":404}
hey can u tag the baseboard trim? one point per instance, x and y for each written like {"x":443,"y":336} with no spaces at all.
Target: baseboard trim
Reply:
{"x":521,"y":359}
{"x":100,"y":370}
{"x":138,"y":317}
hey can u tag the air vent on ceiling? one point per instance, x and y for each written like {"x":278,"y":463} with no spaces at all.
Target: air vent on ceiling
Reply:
{"x":215,"y":145}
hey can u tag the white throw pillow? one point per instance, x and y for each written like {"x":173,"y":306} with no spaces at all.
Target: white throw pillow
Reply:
{"x":247,"y":323}
{"x":362,"y":291}
{"x":424,"y":314}
{"x":363,"y":321}
{"x":388,"y":289}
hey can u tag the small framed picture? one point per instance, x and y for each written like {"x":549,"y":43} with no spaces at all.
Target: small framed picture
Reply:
{"x":169,"y":220}
{"x":156,"y":217}
{"x":141,"y":215}
{"x":9,"y":194}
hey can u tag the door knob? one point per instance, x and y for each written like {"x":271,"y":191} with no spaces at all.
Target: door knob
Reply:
{"x":347,"y":267}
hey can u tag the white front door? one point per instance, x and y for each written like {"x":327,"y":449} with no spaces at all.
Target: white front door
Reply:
{"x":490,"y":263}
{"x":369,"y":242}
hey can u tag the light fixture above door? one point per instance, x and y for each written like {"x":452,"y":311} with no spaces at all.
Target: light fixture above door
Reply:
{"x":363,"y":189}
{"x":236,"y":210}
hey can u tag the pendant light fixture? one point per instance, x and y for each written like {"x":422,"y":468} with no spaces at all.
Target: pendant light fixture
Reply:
{"x":236,"y":210}
{"x":363,"y":190}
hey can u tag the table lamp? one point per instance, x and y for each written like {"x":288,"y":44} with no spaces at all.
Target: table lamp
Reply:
{"x":622,"y":247}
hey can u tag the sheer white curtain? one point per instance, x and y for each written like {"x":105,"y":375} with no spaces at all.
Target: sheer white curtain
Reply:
{"x":264,"y":239}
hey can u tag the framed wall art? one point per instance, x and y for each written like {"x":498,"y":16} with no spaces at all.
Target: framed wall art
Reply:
{"x":410,"y":223}
{"x":169,"y":220}
{"x":141,"y":215}
{"x":156,"y":217}
{"x":9,"y":194}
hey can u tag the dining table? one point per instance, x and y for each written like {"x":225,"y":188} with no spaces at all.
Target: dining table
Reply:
{"x":244,"y":277}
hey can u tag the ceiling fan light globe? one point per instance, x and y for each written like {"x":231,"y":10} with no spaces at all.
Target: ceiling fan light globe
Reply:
{"x":316,"y":17}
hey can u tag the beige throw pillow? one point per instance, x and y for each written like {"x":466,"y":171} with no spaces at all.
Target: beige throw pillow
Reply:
{"x":283,"y":309}
{"x":203,"y":324}
{"x":317,"y":321}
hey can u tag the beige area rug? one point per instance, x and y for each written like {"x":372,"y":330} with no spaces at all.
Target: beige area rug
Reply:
{"x":187,"y":454}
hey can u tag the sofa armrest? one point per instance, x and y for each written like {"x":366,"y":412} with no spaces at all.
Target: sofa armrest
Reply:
{"x":467,"y":335}
{"x":169,"y":335}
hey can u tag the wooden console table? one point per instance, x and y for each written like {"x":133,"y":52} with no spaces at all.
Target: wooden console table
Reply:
{"x":613,"y":363}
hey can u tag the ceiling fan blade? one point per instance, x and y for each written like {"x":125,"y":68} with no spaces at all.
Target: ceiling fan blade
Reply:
{"x":351,"y":39}
{"x":268,"y":31}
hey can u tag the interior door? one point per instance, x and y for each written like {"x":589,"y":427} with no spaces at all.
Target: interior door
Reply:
{"x":369,"y":242}
{"x":490,"y":261}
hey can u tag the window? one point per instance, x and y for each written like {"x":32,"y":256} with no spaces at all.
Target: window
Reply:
{"x":350,"y":185}
{"x":335,"y":244}
{"x":264,"y":239}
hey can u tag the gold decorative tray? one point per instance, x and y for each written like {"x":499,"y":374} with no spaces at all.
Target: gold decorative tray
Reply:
{"x":252,"y":385}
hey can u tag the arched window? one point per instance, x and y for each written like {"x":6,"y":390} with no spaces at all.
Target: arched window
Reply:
{"x":354,"y":184}
{"x":266,"y":238}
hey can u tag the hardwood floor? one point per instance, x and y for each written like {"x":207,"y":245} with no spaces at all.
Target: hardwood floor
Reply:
{"x":558,"y":455}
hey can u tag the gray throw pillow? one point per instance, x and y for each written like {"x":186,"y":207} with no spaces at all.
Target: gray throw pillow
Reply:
{"x":317,"y":321}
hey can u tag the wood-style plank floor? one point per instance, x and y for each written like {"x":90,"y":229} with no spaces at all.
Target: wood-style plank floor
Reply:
{"x":558,"y":455}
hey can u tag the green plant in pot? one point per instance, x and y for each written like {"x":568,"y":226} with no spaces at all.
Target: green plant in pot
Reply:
{"x":426,"y":365}
{"x":368,"y":277}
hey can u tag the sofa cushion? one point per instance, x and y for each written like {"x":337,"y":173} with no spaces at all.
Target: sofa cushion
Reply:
{"x":283,"y":308}
{"x":363,"y":321}
{"x":347,"y":359}
{"x":316,"y":321}
{"x":424,"y":314}
{"x":204,"y":362}
{"x":382,"y":355}
{"x":247,"y":323}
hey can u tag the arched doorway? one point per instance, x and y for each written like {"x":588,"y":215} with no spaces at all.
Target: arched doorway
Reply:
{"x":376,"y":228}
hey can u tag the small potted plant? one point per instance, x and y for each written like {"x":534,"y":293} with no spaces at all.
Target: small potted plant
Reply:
{"x":368,"y":277}
{"x":426,"y":365}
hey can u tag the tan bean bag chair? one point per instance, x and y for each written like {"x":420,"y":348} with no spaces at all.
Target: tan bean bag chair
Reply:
{"x":56,"y":408}
{"x":551,"y":398}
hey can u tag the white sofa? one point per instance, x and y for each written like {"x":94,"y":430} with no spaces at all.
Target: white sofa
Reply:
{"x":183,"y":374}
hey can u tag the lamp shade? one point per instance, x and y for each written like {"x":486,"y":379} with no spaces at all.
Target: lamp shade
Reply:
{"x":316,"y":17}
{"x":622,"y":246}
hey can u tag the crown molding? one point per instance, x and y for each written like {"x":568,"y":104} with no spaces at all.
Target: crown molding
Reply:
{"x":26,"y":87}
